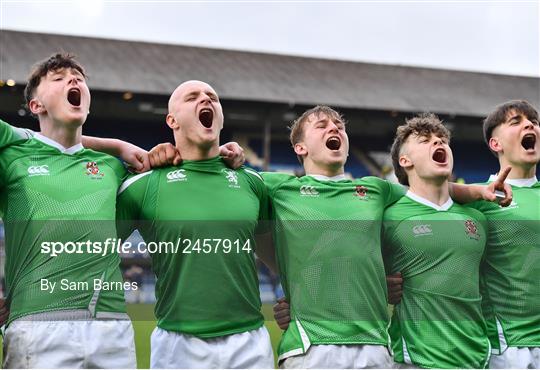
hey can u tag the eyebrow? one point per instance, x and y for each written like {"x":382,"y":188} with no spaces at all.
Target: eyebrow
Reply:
{"x":516,"y":117}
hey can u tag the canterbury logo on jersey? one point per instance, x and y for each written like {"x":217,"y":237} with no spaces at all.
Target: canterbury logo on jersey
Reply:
{"x":310,"y":191}
{"x":420,"y":230}
{"x":42,"y":170}
{"x":176,"y":175}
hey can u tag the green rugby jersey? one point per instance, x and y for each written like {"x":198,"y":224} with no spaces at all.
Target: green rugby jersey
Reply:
{"x":438,"y":250}
{"x":208,"y":285}
{"x":510,"y":284}
{"x":52,"y":194}
{"x":327,"y":237}
{"x":10,"y":135}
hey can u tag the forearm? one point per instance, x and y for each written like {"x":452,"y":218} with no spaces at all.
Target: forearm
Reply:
{"x":463,"y":193}
{"x":265,"y":251}
{"x":105,"y":145}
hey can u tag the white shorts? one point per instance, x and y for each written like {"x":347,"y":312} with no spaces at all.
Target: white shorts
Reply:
{"x":69,"y":344}
{"x":248,"y":350}
{"x":332,"y":356}
{"x":516,"y":358}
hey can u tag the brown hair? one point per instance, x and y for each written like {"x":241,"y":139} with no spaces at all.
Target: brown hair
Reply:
{"x":54,"y":63}
{"x":297,"y":127}
{"x":499,"y":116}
{"x":425,"y":124}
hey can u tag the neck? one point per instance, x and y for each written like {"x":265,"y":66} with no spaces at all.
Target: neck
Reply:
{"x":65,"y":135}
{"x":192,"y":152}
{"x":519,"y":170}
{"x":327,"y":171}
{"x":435,"y":191}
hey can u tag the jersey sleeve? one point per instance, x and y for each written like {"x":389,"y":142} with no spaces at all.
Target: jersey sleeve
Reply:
{"x":386,"y":241}
{"x":390,"y":191}
{"x":129,"y":203}
{"x":272,"y":180}
{"x":258,"y":186}
{"x":10,"y":134}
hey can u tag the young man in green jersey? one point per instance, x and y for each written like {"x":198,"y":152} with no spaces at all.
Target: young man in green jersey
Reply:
{"x":437,"y":245}
{"x":208,"y":304}
{"x":512,"y":263}
{"x":55,"y":190}
{"x":327,"y":237}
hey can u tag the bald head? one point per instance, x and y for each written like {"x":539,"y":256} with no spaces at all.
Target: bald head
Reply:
{"x":185,"y":88}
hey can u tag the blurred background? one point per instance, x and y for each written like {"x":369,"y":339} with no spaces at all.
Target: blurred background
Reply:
{"x":376,"y":62}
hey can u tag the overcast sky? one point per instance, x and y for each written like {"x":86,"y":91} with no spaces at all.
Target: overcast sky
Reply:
{"x":490,"y":36}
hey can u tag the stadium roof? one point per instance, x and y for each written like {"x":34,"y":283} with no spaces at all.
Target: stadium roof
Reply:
{"x":152,"y":68}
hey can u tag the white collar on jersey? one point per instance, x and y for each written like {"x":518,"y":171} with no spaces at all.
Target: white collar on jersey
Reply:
{"x":417,"y":198}
{"x":326,"y":178}
{"x":44,"y":139}
{"x":520,"y":183}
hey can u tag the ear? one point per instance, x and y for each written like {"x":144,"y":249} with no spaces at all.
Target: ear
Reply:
{"x":300,"y":149}
{"x":404,"y":161}
{"x":495,"y":144}
{"x":36,"y":107}
{"x":171,"y":122}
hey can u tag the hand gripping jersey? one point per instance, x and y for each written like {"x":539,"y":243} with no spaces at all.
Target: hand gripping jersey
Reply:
{"x":207,"y":282}
{"x":438,"y":250}
{"x":327,"y":236}
{"x":511,"y":270}
{"x":66,"y":196}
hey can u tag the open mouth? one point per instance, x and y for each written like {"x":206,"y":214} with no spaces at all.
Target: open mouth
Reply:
{"x":206,"y":116}
{"x":333,"y":143}
{"x":528,"y":142}
{"x":439,"y":155}
{"x":74,"y":96}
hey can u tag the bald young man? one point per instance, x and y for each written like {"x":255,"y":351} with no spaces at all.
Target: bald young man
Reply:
{"x":208,"y":304}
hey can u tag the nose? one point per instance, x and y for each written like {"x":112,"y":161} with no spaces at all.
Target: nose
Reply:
{"x":528,"y":124}
{"x":333,"y":127}
{"x":205,"y":98}
{"x":73,"y":80}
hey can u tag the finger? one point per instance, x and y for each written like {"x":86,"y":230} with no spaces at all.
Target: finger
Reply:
{"x":282,"y":299}
{"x":170,"y":153}
{"x":281,"y":306}
{"x":281,"y":314}
{"x":503,"y":175}
{"x":177,"y":159}
{"x":226,"y":153}
{"x":394,"y":279}
{"x":139,"y":165}
{"x":152,"y":158}
{"x":163,"y":157}
{"x":284,"y":320}
{"x":145,"y":162}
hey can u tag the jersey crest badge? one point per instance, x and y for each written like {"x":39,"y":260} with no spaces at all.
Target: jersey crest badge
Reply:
{"x":93,"y":171}
{"x":471,"y":229}
{"x":361,"y":192}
